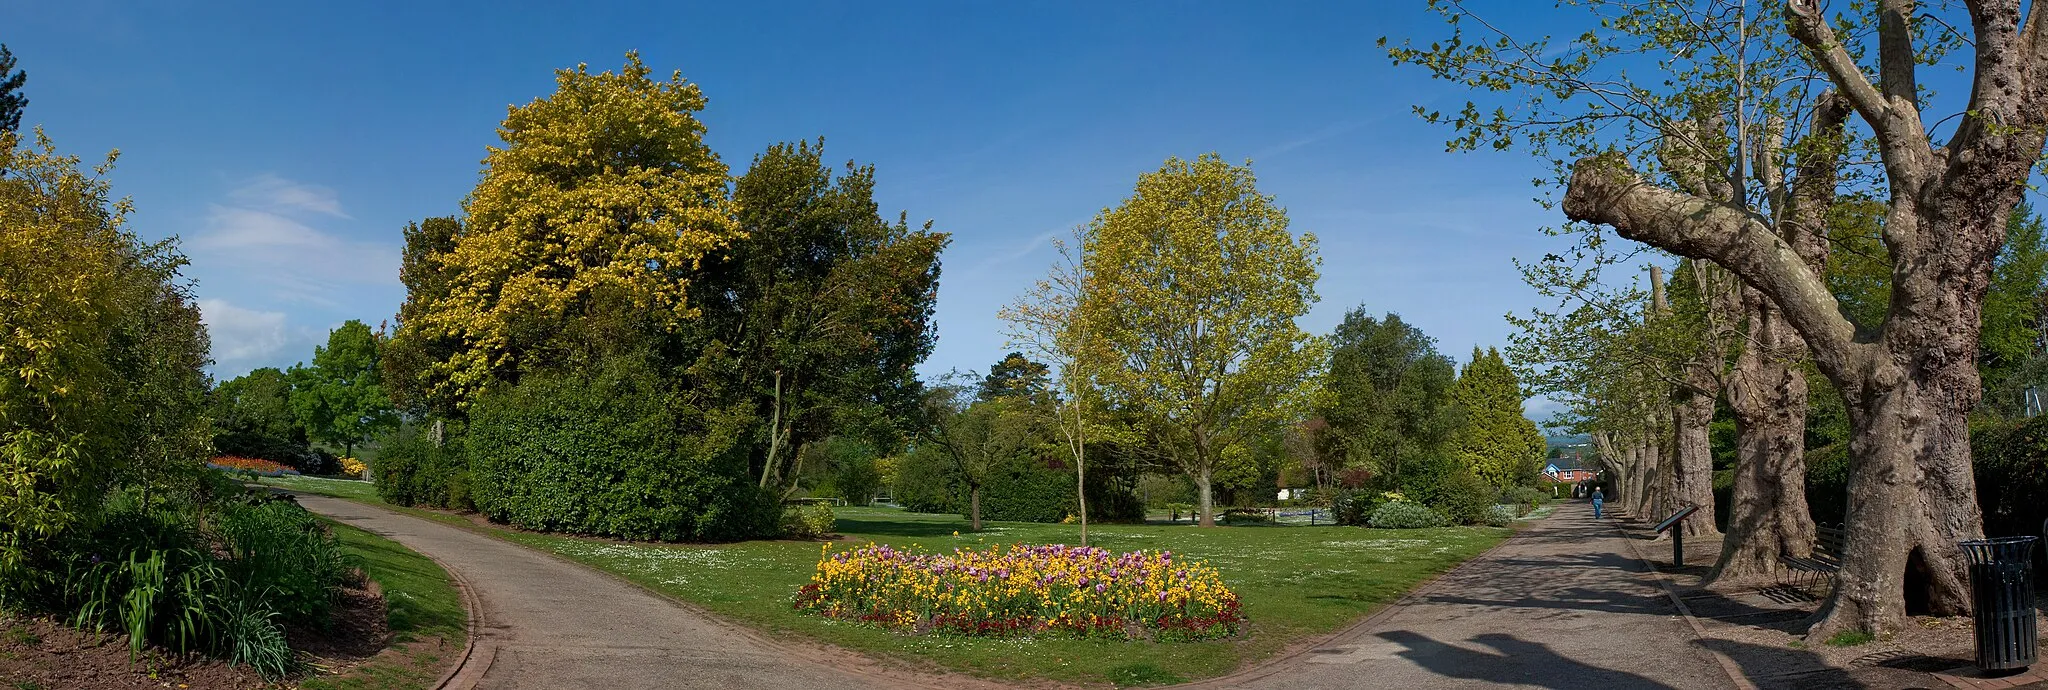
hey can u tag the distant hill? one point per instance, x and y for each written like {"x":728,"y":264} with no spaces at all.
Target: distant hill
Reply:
{"x":1567,"y":440}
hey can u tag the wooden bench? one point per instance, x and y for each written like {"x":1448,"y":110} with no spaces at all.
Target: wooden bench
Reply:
{"x":1825,"y":559}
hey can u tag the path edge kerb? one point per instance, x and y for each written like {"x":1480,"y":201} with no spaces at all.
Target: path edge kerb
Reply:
{"x":474,"y":625}
{"x":1699,"y":631}
{"x":902,"y":678}
{"x":1272,"y":665}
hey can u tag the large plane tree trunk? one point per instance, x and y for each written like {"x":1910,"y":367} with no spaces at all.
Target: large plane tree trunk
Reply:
{"x":1910,"y":382}
{"x":1692,"y":456}
{"x":1767,"y":514}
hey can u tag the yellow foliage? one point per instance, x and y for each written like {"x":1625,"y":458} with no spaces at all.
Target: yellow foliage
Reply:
{"x":604,"y":193}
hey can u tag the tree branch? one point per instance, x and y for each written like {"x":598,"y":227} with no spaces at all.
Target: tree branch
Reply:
{"x":1604,"y":190}
{"x":1894,"y":117}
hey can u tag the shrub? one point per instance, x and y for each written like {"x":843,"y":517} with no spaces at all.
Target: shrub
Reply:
{"x":279,"y":548}
{"x":411,"y":471}
{"x":1024,"y":590}
{"x":1501,"y":515}
{"x":1355,"y":508}
{"x":926,"y":483}
{"x":353,"y":468}
{"x":809,"y":521}
{"x":1526,"y":496}
{"x":225,"y":587}
{"x":607,"y":453}
{"x":1406,"y":515}
{"x":1463,"y":498}
{"x":1026,"y":489}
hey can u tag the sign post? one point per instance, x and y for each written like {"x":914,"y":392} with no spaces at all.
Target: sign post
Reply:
{"x":1677,"y":535}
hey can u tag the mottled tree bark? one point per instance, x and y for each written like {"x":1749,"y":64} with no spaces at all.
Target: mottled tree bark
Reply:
{"x":1692,"y":450}
{"x":1767,"y":515}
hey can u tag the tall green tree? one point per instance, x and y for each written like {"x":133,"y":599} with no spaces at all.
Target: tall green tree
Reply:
{"x":1387,"y":396}
{"x":1194,"y":285}
{"x":253,"y":417}
{"x":817,"y":316}
{"x":12,"y":102}
{"x":1497,"y":442}
{"x":340,"y":399}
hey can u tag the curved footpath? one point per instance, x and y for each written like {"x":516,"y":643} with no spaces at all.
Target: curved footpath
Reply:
{"x":1563,"y":603}
{"x":547,"y":623}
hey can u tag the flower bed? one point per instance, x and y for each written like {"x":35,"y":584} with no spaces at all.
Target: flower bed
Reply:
{"x":259,"y":466}
{"x":1024,"y":590}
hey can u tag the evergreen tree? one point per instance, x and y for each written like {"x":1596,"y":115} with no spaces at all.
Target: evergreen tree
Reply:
{"x":1497,"y":443}
{"x":11,"y":100}
{"x":1015,"y":376}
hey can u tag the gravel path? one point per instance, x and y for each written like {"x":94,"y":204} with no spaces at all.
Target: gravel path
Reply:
{"x":1562,"y":604}
{"x":548,"y":623}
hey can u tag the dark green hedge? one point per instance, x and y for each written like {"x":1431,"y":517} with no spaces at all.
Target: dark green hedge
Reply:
{"x":1028,"y":490}
{"x":606,"y":453}
{"x":410,"y":470}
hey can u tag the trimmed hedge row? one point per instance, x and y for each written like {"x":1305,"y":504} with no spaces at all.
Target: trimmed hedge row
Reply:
{"x":607,"y":453}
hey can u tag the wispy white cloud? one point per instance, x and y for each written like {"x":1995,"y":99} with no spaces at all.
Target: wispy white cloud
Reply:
{"x":241,"y":336}
{"x":261,"y":240}
{"x":270,"y":192}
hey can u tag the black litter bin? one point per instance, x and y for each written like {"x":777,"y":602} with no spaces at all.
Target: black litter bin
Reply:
{"x":2002,"y":589}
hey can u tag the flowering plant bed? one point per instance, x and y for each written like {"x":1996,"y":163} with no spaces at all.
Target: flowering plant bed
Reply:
{"x":1024,"y":590}
{"x":259,"y":466}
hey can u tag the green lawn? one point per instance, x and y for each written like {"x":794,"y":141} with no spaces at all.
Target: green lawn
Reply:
{"x":421,"y":604}
{"x":1295,"y":583}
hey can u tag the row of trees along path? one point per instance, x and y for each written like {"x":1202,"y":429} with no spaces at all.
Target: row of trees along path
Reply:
{"x":1760,"y":120}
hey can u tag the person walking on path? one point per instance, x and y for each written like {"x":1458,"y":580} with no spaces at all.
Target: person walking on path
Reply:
{"x":1598,"y":498}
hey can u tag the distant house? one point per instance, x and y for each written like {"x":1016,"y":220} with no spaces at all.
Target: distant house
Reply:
{"x":1566,"y":469}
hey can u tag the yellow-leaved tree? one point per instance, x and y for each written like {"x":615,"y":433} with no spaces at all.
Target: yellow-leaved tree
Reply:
{"x":1194,"y":285}
{"x":587,"y":222}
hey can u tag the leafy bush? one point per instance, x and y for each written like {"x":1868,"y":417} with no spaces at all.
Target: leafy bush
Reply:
{"x":809,"y":521}
{"x":1406,"y":515}
{"x":927,"y":483}
{"x":225,"y":587}
{"x":279,"y":548}
{"x":411,"y":471}
{"x":607,"y":453}
{"x":1528,"y":497}
{"x":1027,"y":489}
{"x":1354,"y":508}
{"x":1501,"y":515}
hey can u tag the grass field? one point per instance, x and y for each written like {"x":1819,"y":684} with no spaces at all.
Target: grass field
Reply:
{"x":1295,"y":583}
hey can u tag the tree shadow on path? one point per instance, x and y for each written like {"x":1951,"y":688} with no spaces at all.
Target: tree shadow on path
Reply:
{"x":1518,"y":662}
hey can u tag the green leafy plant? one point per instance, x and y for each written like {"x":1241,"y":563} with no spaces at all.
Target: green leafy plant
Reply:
{"x":808,"y":521}
{"x":1406,"y":515}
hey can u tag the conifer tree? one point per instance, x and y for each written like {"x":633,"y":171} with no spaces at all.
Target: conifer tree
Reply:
{"x":1498,"y":444}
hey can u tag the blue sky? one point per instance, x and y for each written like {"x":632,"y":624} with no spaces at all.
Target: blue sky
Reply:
{"x":288,"y":143}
